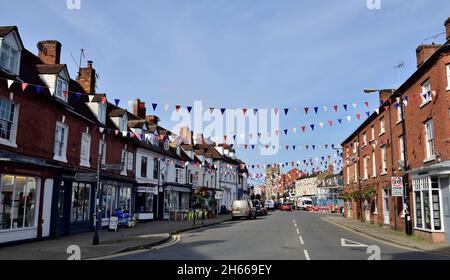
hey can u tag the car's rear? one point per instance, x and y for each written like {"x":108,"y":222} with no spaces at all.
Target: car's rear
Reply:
{"x":241,"y":209}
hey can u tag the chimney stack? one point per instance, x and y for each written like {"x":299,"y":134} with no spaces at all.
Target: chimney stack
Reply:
{"x":87,"y":78}
{"x":424,"y":52}
{"x":447,"y":28}
{"x":49,"y":51}
{"x":139,"y":108}
{"x":186,"y":135}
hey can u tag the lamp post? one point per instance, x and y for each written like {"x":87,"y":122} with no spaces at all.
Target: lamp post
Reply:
{"x":96,"y":238}
{"x":404,"y":166}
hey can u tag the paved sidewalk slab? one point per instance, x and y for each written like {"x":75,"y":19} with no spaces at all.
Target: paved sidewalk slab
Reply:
{"x":388,"y":235}
{"x":143,"y":235}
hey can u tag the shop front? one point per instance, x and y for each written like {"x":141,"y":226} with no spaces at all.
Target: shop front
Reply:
{"x":25,"y":201}
{"x":431,"y":202}
{"x":146,"y":202}
{"x":116,"y":195}
{"x":177,"y":198}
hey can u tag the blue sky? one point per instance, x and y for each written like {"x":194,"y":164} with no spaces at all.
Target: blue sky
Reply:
{"x":253,"y":54}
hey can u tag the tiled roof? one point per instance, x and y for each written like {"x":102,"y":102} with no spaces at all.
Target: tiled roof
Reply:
{"x":49,"y":68}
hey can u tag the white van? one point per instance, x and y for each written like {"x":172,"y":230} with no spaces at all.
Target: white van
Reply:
{"x":269,"y":204}
{"x":305,"y":202}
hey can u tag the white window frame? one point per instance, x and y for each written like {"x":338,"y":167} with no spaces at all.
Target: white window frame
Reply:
{"x":63,"y":156}
{"x":430,"y":151}
{"x":130,"y":161}
{"x":84,"y":157}
{"x":382,"y":126}
{"x":373,"y":132}
{"x":11,"y":142}
{"x":421,"y":184}
{"x":61,"y":85}
{"x":383,"y":160}
{"x":400,"y":113}
{"x":448,"y":76}
{"x":366,"y":168}
{"x":8,"y":53}
{"x":101,"y":113}
{"x":356,"y":173}
{"x":374,"y":165}
{"x":123,"y":162}
{"x":426,"y":89}
{"x":364,"y":139}
{"x":401,"y":142}
{"x":102,"y":150}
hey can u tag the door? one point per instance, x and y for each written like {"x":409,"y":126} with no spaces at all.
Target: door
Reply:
{"x":445,"y":188}
{"x":386,"y":206}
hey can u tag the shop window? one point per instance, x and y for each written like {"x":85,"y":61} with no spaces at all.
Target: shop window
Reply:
{"x":427,"y":203}
{"x":81,"y":198}
{"x":144,"y":202}
{"x":109,"y":201}
{"x":125,"y":199}
{"x":17,"y":202}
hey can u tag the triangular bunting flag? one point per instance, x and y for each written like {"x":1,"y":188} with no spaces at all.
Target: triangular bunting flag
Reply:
{"x":306,"y":110}
{"x":24,"y":86}
{"x":10,"y":82}
{"x":189,"y":108}
{"x":316,"y":109}
{"x":285,"y":131}
{"x":345,"y":107}
{"x":116,"y":101}
{"x":166,"y":107}
{"x":38,"y":89}
{"x":177,"y":108}
{"x":222,"y":110}
{"x":154,"y":105}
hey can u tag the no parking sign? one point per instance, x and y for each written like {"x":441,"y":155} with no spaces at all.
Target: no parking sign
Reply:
{"x":397,"y":186}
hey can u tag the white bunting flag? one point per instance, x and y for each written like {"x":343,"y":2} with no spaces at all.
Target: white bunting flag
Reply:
{"x":10,"y":82}
{"x":52,"y":92}
{"x":124,"y":133}
{"x":349,"y":118}
{"x":325,"y":108}
{"x":101,"y":129}
{"x":354,"y":105}
{"x":130,"y":103}
{"x":377,"y":111}
{"x":294,"y":130}
{"x":321,"y":125}
{"x":166,"y":107}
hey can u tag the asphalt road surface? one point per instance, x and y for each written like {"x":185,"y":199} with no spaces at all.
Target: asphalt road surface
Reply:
{"x":293,"y":235}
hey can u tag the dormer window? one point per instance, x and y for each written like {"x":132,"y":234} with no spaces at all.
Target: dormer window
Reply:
{"x":101,"y":113}
{"x":9,"y":59}
{"x":61,"y":87}
{"x":123,"y":123}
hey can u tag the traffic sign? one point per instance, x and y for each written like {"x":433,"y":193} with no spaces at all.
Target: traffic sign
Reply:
{"x":397,"y":186}
{"x":86,"y":177}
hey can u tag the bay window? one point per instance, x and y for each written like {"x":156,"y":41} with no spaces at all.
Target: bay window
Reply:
{"x":17,"y":202}
{"x":8,"y":122}
{"x":427,"y":203}
{"x":9,"y":58}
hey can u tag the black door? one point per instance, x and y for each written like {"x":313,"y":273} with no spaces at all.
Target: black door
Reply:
{"x":63,"y":210}
{"x":160,"y":212}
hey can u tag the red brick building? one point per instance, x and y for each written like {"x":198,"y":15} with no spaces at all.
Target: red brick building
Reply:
{"x":408,"y":137}
{"x":52,"y":127}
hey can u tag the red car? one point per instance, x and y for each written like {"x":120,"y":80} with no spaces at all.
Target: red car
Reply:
{"x":286,"y":207}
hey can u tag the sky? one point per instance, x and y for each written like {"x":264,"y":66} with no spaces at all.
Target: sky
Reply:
{"x":242,"y":54}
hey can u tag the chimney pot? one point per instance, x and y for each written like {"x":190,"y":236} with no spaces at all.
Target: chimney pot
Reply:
{"x":49,"y":51}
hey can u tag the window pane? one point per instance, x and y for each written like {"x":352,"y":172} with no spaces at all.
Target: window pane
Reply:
{"x":6,"y":201}
{"x":426,"y":208}
{"x":419,"y":222}
{"x":436,"y":210}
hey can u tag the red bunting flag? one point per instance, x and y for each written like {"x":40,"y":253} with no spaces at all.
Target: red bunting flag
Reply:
{"x":306,"y":110}
{"x":335,"y":107}
{"x":330,"y":123}
{"x":66,"y":93}
{"x":276,"y":111}
{"x":303,"y":128}
{"x":103,"y":100}
{"x":366,"y":103}
{"x":177,"y":108}
{"x":246,"y":146}
{"x":358,"y":116}
{"x":24,"y":86}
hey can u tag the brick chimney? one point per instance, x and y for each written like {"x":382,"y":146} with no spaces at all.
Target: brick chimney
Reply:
{"x":87,"y":78}
{"x":447,"y":28}
{"x":49,"y":51}
{"x":186,"y":135}
{"x":152,"y":119}
{"x":139,"y":108}
{"x":424,"y":52}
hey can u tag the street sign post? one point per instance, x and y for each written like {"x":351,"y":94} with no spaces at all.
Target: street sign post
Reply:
{"x":397,"y":186}
{"x":86,"y":177}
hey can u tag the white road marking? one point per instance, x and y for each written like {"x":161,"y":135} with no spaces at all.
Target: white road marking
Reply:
{"x":298,"y":232}
{"x":295,"y":224}
{"x":301,"y":240}
{"x":306,"y":255}
{"x":351,"y":243}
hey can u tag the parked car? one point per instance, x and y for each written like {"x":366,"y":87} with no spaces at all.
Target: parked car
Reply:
{"x":242,"y":209}
{"x":224,"y":210}
{"x":264,"y":211}
{"x":286,"y":207}
{"x":258,"y":207}
{"x":269,"y":204}
{"x":277,"y":205}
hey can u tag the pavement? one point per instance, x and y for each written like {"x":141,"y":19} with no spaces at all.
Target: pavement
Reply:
{"x":144,"y":235}
{"x":388,"y":235}
{"x":295,"y":235}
